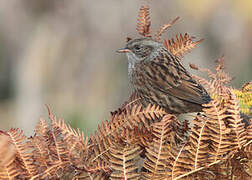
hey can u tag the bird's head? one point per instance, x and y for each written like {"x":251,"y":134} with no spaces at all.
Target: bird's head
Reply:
{"x":141,"y":49}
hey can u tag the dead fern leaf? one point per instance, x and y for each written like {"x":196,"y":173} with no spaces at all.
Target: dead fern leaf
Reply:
{"x":24,"y":151}
{"x":12,"y":170}
{"x":124,"y":161}
{"x":72,"y":137}
{"x":182,"y":45}
{"x":61,"y":151}
{"x":42,"y":128}
{"x":100,"y":146}
{"x":41,"y":154}
{"x":211,"y":141}
{"x":163,"y":28}
{"x":249,"y":133}
{"x":99,"y":166}
{"x":49,"y":150}
{"x":217,"y":84}
{"x":235,"y":121}
{"x":136,"y":136}
{"x":7,"y":158}
{"x":95,"y":170}
{"x":240,"y":166}
{"x":144,"y":23}
{"x":52,"y":172}
{"x":194,"y":155}
{"x":220,"y":140}
{"x":133,"y":117}
{"x":142,"y":142}
{"x":158,"y":152}
{"x":7,"y":149}
{"x":40,"y":142}
{"x":130,"y":117}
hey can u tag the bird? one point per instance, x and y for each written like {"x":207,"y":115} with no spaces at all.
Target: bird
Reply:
{"x":158,"y":77}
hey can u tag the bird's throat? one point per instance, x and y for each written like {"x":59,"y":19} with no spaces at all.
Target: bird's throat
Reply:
{"x":131,"y":66}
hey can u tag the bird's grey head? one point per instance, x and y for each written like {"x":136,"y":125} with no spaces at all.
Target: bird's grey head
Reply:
{"x":142,"y":49}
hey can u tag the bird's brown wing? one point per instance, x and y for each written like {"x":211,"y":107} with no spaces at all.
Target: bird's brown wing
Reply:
{"x":172,"y":79}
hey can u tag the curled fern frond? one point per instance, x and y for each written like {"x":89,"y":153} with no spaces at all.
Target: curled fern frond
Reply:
{"x":163,"y":28}
{"x":144,"y":22}
{"x":182,"y":45}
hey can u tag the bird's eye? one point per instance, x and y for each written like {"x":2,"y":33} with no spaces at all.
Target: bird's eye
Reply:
{"x":137,"y":47}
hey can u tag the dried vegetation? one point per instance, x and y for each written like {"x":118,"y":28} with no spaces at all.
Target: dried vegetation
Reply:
{"x":143,"y":143}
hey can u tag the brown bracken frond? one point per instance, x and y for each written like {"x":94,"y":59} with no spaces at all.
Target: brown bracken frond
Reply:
{"x":238,"y":131}
{"x":158,"y":151}
{"x":144,"y":22}
{"x":221,"y":141}
{"x":99,"y":166}
{"x":8,"y":168}
{"x":182,"y":45}
{"x":163,"y":28}
{"x":248,"y":145}
{"x":124,"y":160}
{"x":24,"y":151}
{"x":139,"y":136}
{"x":110,"y":132}
{"x":218,"y":80}
{"x":7,"y":149}
{"x":138,"y":116}
{"x":72,"y":137}
{"x":194,"y":155}
{"x":50,"y":153}
{"x":209,"y":143}
{"x":40,"y":143}
{"x":135,"y":116}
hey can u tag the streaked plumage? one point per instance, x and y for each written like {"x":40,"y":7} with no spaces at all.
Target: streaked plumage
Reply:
{"x":158,"y":77}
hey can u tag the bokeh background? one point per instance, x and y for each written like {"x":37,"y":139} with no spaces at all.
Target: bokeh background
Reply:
{"x":62,"y":53}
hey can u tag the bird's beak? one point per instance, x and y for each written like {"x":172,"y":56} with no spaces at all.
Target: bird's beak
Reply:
{"x":123,"y":50}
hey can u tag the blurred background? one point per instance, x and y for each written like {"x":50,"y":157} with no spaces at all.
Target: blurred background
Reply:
{"x":62,"y":53}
